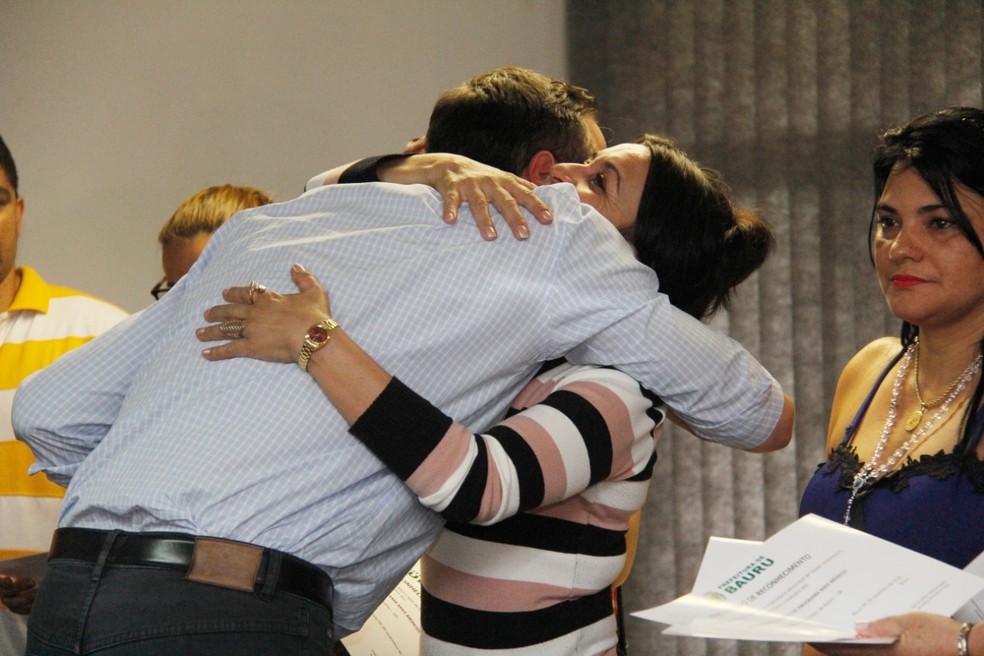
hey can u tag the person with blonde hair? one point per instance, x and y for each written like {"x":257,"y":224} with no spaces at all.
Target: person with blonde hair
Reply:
{"x":185,"y":234}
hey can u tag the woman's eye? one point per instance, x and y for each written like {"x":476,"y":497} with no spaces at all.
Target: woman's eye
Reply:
{"x":941,"y":223}
{"x":886,"y":224}
{"x":599,"y":181}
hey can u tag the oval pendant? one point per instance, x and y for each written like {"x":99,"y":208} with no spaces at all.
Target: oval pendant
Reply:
{"x":913,"y":421}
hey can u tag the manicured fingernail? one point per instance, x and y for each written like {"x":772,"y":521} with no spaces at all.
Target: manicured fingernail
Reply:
{"x":546,"y":216}
{"x":524,"y":232}
{"x":450,"y":217}
{"x":489,"y":232}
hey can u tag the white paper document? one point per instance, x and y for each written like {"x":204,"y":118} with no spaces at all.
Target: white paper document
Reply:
{"x":394,"y":628}
{"x":973,"y":611}
{"x":810,"y":582}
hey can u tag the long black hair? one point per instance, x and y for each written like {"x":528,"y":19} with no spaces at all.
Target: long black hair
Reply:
{"x":946,"y":149}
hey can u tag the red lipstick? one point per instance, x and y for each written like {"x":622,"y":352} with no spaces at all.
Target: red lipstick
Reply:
{"x":906,"y":281}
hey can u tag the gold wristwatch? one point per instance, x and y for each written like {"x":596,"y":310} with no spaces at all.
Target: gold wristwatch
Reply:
{"x":316,"y":337}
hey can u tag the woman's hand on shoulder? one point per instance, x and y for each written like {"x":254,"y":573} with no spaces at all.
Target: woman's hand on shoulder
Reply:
{"x":463,"y":180}
{"x":270,"y":326}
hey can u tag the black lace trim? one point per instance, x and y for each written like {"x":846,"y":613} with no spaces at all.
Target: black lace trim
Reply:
{"x":939,"y":465}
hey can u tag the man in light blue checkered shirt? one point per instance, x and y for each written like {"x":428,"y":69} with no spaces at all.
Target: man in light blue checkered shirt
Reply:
{"x":151,"y":438}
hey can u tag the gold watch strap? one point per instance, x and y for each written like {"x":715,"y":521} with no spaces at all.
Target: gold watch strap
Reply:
{"x":317,"y":336}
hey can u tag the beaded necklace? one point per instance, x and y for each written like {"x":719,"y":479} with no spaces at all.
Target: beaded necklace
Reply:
{"x":870,"y":472}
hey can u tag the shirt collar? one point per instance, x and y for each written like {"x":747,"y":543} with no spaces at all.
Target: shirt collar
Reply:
{"x":33,"y":294}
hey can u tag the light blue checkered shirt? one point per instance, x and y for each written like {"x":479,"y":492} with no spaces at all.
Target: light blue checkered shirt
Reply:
{"x":153,"y":437}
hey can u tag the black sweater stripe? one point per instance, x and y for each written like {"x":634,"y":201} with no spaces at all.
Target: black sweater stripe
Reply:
{"x":492,"y":630}
{"x":592,"y":427}
{"x":528,"y":469}
{"x":467,"y":502}
{"x":547,"y":534}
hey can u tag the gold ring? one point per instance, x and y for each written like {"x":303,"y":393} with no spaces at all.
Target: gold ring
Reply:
{"x":233,"y":329}
{"x":255,"y":288}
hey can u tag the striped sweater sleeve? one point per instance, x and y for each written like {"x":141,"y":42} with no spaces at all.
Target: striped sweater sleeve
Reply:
{"x":575,"y":426}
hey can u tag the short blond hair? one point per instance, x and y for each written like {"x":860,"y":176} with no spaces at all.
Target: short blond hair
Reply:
{"x":206,"y":210}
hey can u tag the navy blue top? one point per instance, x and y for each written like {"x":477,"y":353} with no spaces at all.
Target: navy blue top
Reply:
{"x":933,"y":505}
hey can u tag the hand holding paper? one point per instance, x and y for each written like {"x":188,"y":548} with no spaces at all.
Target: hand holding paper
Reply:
{"x":811,"y":582}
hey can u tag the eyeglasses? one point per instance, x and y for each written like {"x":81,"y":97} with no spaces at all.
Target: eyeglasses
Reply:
{"x":161,"y":288}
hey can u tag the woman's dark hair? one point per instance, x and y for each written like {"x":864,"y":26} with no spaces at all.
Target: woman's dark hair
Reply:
{"x":946,"y":149}
{"x":688,"y":231}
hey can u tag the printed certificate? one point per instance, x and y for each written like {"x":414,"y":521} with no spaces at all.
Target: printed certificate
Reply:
{"x":810,"y":582}
{"x":394,"y":628}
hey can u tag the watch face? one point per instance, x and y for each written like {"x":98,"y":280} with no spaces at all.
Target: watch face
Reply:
{"x":318,"y":334}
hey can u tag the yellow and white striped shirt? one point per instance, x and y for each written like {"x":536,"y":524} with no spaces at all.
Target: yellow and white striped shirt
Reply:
{"x":43,"y":322}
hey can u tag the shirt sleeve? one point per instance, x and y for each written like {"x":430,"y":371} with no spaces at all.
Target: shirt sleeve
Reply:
{"x":707,"y":378}
{"x":577,"y":426}
{"x":62,"y":412}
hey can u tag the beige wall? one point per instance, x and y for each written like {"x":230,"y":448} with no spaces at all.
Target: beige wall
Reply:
{"x":118,"y":110}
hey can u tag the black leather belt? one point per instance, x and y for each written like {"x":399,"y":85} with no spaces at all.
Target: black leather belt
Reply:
{"x":177,"y":551}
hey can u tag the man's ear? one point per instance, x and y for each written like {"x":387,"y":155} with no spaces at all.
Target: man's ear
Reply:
{"x":538,"y":169}
{"x":415,"y":146}
{"x":19,"y":213}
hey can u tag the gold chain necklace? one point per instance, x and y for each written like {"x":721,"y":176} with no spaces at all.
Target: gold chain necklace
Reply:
{"x":912,"y":423}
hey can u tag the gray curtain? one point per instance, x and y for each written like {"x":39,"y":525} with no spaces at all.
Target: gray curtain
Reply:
{"x":785,"y":99}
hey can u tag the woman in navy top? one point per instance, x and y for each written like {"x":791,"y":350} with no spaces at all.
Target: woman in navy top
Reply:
{"x":903,"y":443}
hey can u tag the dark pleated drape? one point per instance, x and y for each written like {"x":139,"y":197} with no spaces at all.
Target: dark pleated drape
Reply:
{"x":785,"y":99}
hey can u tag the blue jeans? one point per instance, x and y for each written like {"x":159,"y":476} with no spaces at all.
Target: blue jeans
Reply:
{"x":82,"y":608}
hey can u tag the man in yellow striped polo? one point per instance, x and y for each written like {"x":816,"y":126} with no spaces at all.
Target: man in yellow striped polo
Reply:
{"x":38,"y":323}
